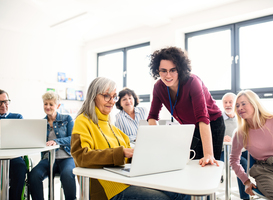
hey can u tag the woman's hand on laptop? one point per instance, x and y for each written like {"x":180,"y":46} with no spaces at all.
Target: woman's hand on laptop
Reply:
{"x":128,"y":152}
{"x":208,"y":159}
{"x":51,"y":143}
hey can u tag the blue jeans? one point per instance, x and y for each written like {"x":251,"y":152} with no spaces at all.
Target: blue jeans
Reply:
{"x":141,"y":193}
{"x":243,"y":162}
{"x":17,"y":175}
{"x":41,"y":171}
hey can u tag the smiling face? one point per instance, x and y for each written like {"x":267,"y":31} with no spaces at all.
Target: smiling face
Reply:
{"x":244,"y":108}
{"x":127,"y":103}
{"x":50,"y":107}
{"x":228,"y":104}
{"x":169,"y":79}
{"x":105,"y":107}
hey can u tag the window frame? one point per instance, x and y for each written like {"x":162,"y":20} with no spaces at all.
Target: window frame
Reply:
{"x":235,"y":67}
{"x":124,"y":50}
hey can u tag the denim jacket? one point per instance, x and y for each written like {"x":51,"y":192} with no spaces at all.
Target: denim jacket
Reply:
{"x":63,"y":126}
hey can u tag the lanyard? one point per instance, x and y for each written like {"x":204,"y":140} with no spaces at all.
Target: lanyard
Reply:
{"x":173,"y":106}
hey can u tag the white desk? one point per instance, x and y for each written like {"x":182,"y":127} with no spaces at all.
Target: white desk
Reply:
{"x":193,"y":180}
{"x":227,"y":146}
{"x":7,"y":154}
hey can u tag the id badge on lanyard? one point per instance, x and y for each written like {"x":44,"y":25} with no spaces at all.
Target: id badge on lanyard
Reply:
{"x":173,"y":106}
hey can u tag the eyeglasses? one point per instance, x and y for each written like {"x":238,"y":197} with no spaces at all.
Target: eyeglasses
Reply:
{"x":164,"y":72}
{"x":6,"y":102}
{"x":108,"y":97}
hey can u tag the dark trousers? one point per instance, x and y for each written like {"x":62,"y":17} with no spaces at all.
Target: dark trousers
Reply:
{"x":41,"y":171}
{"x":217,"y":131}
{"x":17,"y":175}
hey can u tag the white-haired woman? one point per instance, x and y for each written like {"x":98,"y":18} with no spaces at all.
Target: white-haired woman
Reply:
{"x":255,"y":134}
{"x":59,"y":129}
{"x":96,"y":143}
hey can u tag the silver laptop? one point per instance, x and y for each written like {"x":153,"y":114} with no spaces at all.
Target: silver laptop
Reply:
{"x":158,"y":149}
{"x":23,"y":133}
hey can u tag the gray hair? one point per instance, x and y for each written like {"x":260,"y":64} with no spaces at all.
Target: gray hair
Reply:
{"x":4,"y":92}
{"x":229,"y":94}
{"x":97,"y":86}
{"x":50,"y":95}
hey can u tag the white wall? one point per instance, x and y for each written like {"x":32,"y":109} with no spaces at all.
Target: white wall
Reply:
{"x":29,"y":64}
{"x":173,"y":33}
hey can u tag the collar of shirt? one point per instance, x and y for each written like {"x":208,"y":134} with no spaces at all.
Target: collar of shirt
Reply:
{"x":127,"y":115}
{"x":4,"y":115}
{"x":226,"y":117}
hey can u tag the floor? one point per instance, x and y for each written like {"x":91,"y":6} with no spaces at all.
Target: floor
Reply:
{"x":57,"y":189}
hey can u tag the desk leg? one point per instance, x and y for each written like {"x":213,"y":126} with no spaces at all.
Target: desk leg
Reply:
{"x":4,"y":184}
{"x":212,"y":196}
{"x":51,"y":178}
{"x":84,"y":188}
{"x":228,"y":174}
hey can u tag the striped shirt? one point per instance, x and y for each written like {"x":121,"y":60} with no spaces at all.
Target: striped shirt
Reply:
{"x":129,"y":126}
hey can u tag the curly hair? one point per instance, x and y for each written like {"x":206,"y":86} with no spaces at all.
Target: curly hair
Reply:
{"x":177,"y":56}
{"x":129,"y":92}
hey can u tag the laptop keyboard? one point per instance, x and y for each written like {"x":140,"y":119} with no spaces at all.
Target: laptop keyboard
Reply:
{"x":126,"y":169}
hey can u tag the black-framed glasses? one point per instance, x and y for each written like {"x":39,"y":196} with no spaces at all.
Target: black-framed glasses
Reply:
{"x":108,"y":97}
{"x":6,"y":102}
{"x":164,"y":72}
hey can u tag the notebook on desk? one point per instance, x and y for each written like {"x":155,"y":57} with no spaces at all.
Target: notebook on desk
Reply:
{"x":23,"y":133}
{"x":158,"y":149}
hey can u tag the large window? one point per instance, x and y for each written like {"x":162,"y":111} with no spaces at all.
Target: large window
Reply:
{"x":234,"y":57}
{"x":128,"y":67}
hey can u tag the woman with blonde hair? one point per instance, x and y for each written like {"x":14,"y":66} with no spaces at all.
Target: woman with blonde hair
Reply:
{"x":59,"y":129}
{"x":255,"y":134}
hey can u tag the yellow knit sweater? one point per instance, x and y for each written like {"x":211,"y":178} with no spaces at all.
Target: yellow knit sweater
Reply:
{"x":90,"y":149}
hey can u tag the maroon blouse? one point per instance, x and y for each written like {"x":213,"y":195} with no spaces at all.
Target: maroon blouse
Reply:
{"x":195,"y":103}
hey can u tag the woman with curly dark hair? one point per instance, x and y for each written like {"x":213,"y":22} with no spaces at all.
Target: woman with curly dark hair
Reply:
{"x":128,"y":118}
{"x":189,"y":102}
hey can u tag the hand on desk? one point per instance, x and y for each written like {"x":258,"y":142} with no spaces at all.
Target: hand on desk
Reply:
{"x":128,"y":152}
{"x":227,"y":138}
{"x":51,"y":143}
{"x":208,"y":159}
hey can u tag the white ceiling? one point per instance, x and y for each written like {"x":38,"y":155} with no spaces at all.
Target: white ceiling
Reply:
{"x":85,"y":20}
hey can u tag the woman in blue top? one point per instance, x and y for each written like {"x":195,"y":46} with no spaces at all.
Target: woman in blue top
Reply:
{"x":128,"y":118}
{"x":59,"y":128}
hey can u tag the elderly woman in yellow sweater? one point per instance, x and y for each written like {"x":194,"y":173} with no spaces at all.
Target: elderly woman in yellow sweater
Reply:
{"x":96,"y":143}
